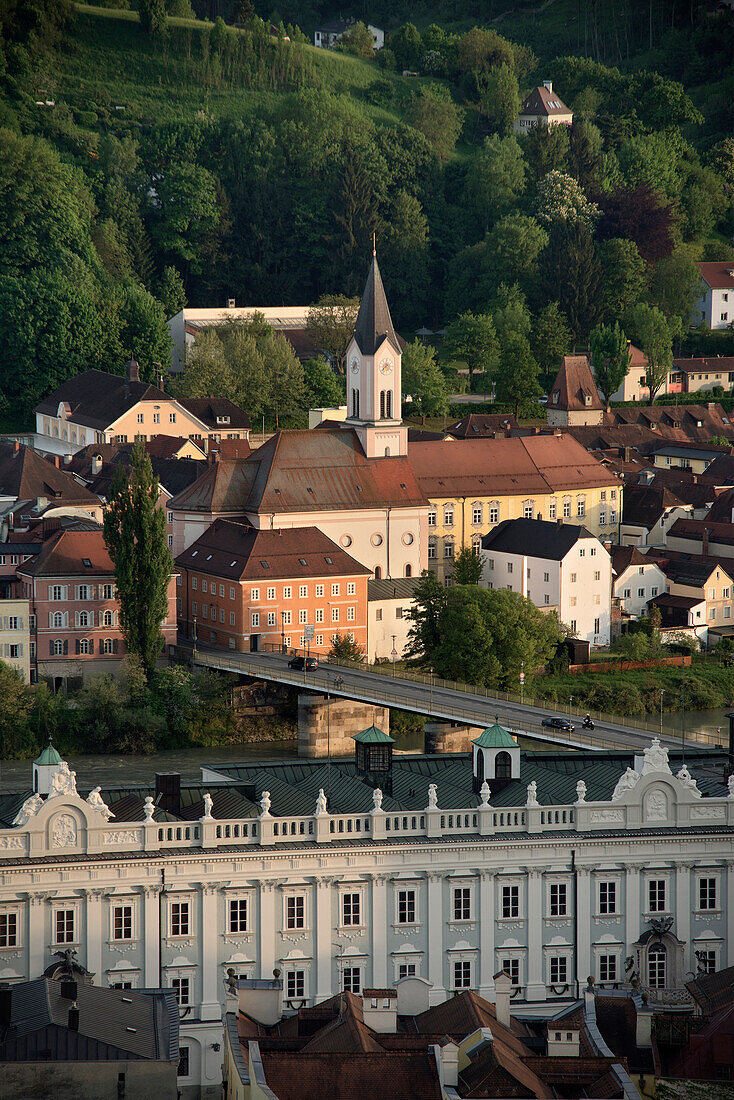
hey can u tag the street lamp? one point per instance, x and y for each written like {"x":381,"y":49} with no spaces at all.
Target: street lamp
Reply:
{"x":194,"y":637}
{"x":662,"y":693}
{"x":570,"y":700}
{"x":394,"y":653}
{"x":522,"y":682}
{"x":430,"y":692}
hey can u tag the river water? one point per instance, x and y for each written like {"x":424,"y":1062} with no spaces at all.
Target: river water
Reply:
{"x":117,"y":770}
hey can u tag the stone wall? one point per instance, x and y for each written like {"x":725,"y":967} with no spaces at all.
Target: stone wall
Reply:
{"x":334,"y":724}
{"x":449,"y":737}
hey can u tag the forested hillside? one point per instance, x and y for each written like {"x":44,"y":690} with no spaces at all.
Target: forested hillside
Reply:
{"x":141,"y":167}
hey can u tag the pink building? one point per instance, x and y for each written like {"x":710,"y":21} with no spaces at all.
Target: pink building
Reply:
{"x":75,"y":629}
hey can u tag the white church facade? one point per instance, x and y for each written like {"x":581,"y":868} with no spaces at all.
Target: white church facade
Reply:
{"x":452,"y":869}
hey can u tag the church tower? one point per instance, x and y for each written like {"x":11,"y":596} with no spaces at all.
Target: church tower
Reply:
{"x":373,"y":361}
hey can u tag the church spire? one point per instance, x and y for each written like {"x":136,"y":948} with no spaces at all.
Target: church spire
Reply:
{"x":374,"y":322}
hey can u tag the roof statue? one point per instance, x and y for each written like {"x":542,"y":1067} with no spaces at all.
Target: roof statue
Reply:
{"x":29,"y":809}
{"x":63,"y":781}
{"x":208,"y":803}
{"x":687,"y":780}
{"x":149,"y":808}
{"x":94,"y":798}
{"x":580,"y":791}
{"x":265,"y":804}
{"x":532,"y":799}
{"x":432,"y":797}
{"x":374,"y":322}
{"x":376,"y":800}
{"x":626,"y":783}
{"x":484,"y":793}
{"x":656,"y":758}
{"x":321,"y":803}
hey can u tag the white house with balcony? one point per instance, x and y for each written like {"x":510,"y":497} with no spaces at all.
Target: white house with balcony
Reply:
{"x":560,"y":566}
{"x":636,"y":579}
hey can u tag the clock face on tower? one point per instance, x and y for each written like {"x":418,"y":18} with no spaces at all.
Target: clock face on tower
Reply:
{"x":385,"y":367}
{"x":355,"y":366}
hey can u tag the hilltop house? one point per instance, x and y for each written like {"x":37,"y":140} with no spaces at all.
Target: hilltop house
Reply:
{"x":715,"y":304}
{"x":542,"y":108}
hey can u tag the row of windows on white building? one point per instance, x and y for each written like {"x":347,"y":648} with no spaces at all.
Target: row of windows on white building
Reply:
{"x":528,"y":511}
{"x":210,"y":586}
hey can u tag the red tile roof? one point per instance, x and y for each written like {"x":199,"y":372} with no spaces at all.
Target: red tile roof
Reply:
{"x":544,"y":102}
{"x":210,"y":410}
{"x":241,"y":552}
{"x":25,"y":475}
{"x":534,"y":464}
{"x":719,"y":274}
{"x":396,"y":1075}
{"x":575,"y":386}
{"x":64,"y":554}
{"x":715,"y":364}
{"x":477,"y":425}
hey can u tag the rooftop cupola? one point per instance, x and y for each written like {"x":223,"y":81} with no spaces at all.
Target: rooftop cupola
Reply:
{"x":373,"y":757}
{"x":495,"y":757}
{"x":45,"y":767}
{"x":132,"y":370}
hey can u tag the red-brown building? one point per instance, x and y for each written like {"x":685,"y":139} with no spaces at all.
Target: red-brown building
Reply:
{"x":248,"y":589}
{"x":75,"y":630}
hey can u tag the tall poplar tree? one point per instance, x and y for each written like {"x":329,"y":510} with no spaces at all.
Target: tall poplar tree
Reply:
{"x":135,"y":534}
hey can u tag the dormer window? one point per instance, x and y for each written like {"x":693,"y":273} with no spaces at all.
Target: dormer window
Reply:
{"x":554,"y":397}
{"x":222,"y":420}
{"x":86,"y":563}
{"x":587,"y":400}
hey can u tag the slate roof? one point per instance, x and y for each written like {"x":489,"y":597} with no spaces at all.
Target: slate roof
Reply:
{"x":241,"y":552}
{"x":399,"y":588}
{"x":207,"y":409}
{"x":718,"y":274}
{"x":536,"y":464}
{"x":25,"y":475}
{"x":625,"y":556}
{"x":544,"y":102}
{"x":303,"y":471}
{"x":374,"y":323}
{"x":575,"y":386}
{"x":113,"y":1024}
{"x":174,"y":474}
{"x":536,"y":537}
{"x":689,"y":570}
{"x":693,"y":531}
{"x":96,"y":398}
{"x":645,"y":504}
{"x":712,"y":364}
{"x":482,"y":425}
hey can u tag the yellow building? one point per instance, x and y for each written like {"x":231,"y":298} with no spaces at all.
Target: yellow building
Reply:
{"x":474,"y":484}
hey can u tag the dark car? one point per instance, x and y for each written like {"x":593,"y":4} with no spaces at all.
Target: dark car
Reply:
{"x":304,"y":664}
{"x":558,"y":724}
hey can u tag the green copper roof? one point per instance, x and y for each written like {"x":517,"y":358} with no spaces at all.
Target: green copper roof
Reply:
{"x":373,"y":736}
{"x":495,"y":737}
{"x":48,"y":756}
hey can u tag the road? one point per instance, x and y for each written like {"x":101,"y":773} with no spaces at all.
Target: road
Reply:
{"x":471,"y":706}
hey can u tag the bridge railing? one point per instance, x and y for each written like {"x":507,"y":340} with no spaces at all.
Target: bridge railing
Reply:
{"x":323,"y":678}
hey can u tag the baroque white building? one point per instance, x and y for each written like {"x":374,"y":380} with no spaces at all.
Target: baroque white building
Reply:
{"x":551,"y":866}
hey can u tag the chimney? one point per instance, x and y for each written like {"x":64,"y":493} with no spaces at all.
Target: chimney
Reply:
{"x":57,"y":463}
{"x":380,"y":1010}
{"x":559,"y":523}
{"x":413,"y":996}
{"x":705,"y":541}
{"x":643,"y":1026}
{"x":161,"y":383}
{"x":132,"y":371}
{"x":230,"y":303}
{"x":67,"y":460}
{"x":73,"y":1017}
{"x":262,"y":998}
{"x":16,"y":445}
{"x":548,"y":85}
{"x":502,"y":994}
{"x":449,"y":1054}
{"x":96,"y":464}
{"x":168,"y":791}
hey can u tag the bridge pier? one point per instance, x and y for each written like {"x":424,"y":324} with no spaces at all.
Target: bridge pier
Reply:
{"x":325,"y":725}
{"x":449,"y":736}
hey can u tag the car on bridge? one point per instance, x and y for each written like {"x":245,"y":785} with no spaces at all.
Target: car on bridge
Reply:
{"x":559,"y":724}
{"x":303,"y":664}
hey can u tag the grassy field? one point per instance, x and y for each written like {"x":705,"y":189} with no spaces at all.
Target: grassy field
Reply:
{"x":110,"y":67}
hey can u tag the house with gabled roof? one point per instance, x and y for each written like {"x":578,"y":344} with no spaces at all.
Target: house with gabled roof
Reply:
{"x":574,"y":398}
{"x":97,"y":407}
{"x":542,"y":107}
{"x":714,"y":307}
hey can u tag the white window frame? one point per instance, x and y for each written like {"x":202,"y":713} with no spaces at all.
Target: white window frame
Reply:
{"x":608,"y":880}
{"x":465,"y":981}
{"x":294,"y":894}
{"x":557,"y":884}
{"x":708,"y":875}
{"x":510,"y":885}
{"x":663,"y":877}
{"x":351,"y":891}
{"x":189,"y":915}
{"x":238,"y":899}
{"x":123,"y":903}
{"x":558,"y":956}
{"x":514,"y":956}
{"x":65,"y":907}
{"x":466,"y":899}
{"x":407,"y":888}
{"x":294,"y":976}
{"x":177,"y":981}
{"x":12,"y":911}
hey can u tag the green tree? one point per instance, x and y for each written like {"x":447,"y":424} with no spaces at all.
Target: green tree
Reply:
{"x":571,"y":273}
{"x":15,"y":709}
{"x":152,"y":15}
{"x":514,"y":246}
{"x":323,"y":388}
{"x":141,"y":326}
{"x":358,"y":40}
{"x":429,"y":597}
{"x":500,"y":98}
{"x":135,"y":536}
{"x":344,"y":650}
{"x":435,"y":114}
{"x":330,"y":324}
{"x":547,"y":149}
{"x":623,"y":276}
{"x":610,"y":358}
{"x":517,"y":377}
{"x":652,"y":332}
{"x":171,"y":293}
{"x":550,"y":339}
{"x":404,"y":258}
{"x":472,"y":338}
{"x":675,"y":284}
{"x":406,"y":44}
{"x":510,"y":313}
{"x":585,"y":152}
{"x":423,"y":379}
{"x":560,"y":198}
{"x":486,"y":636}
{"x":495,"y":178}
{"x":186,"y":212}
{"x":467,"y":567}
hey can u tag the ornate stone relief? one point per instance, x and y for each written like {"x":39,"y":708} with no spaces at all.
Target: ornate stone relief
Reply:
{"x":64,"y":832}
